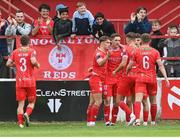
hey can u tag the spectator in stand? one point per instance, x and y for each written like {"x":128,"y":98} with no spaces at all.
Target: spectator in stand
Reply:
{"x":44,"y":24}
{"x":156,"y":25}
{"x":3,"y":48}
{"x":82,"y":20}
{"x":62,"y":25}
{"x":172,"y":49}
{"x":139,"y":22}
{"x":101,"y":26}
{"x":17,"y":26}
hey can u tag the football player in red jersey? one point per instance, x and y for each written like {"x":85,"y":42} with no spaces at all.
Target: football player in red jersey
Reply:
{"x":134,"y":40}
{"x":97,"y":79}
{"x":117,"y":56}
{"x":24,"y":59}
{"x":126,"y":82}
{"x":146,"y":58}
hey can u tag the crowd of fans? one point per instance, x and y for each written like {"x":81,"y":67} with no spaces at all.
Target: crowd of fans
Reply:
{"x":84,"y":23}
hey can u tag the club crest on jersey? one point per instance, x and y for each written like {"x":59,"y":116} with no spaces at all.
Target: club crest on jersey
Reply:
{"x":60,"y":58}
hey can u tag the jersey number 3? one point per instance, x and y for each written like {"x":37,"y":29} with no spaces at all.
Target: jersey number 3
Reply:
{"x":146,"y":62}
{"x":23,"y":66}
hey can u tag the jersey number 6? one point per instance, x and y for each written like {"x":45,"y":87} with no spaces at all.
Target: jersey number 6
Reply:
{"x":146,"y":62}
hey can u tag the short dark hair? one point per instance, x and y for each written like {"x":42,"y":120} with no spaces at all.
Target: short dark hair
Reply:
{"x":99,"y":14}
{"x":115,"y":35}
{"x":146,"y":38}
{"x":104,"y":38}
{"x":44,"y":6}
{"x":19,"y":11}
{"x":141,"y":8}
{"x":25,"y":40}
{"x":131,"y":35}
{"x":137,"y":35}
{"x":63,"y":10}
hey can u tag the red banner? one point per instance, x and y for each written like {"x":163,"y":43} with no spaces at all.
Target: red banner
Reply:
{"x":171,"y":100}
{"x":70,"y":61}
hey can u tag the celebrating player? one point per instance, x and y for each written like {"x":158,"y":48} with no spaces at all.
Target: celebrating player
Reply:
{"x":24,"y":59}
{"x":97,"y":79}
{"x":146,"y":58}
{"x":126,"y":83}
{"x":117,"y":56}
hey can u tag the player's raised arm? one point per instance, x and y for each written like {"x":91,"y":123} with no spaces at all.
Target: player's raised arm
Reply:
{"x":163,"y":71}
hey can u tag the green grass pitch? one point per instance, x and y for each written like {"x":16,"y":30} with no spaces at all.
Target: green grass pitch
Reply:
{"x":79,"y":129}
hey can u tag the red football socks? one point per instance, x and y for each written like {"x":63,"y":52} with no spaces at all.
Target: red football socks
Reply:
{"x":125,"y":108}
{"x":127,"y":117}
{"x":94,"y":113}
{"x":106,"y":113}
{"x":114,"y":114}
{"x":153,"y":112}
{"x":29,"y":111}
{"x":137,"y":109}
{"x":145,"y":115}
{"x":88,"y":113}
{"x":20,"y":118}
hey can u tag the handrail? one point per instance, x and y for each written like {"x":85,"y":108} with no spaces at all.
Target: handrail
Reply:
{"x":85,"y":36}
{"x":157,"y":7}
{"x":16,"y":8}
{"x":118,"y":20}
{"x":175,"y":9}
{"x":30,"y":5}
{"x":124,"y":20}
{"x":164,"y":36}
{"x":170,"y":58}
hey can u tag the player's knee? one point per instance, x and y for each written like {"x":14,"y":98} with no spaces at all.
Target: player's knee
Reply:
{"x":107,"y":101}
{"x":20,"y":109}
{"x":152,"y":99}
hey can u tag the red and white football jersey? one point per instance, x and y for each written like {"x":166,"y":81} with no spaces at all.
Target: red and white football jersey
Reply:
{"x":24,"y":68}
